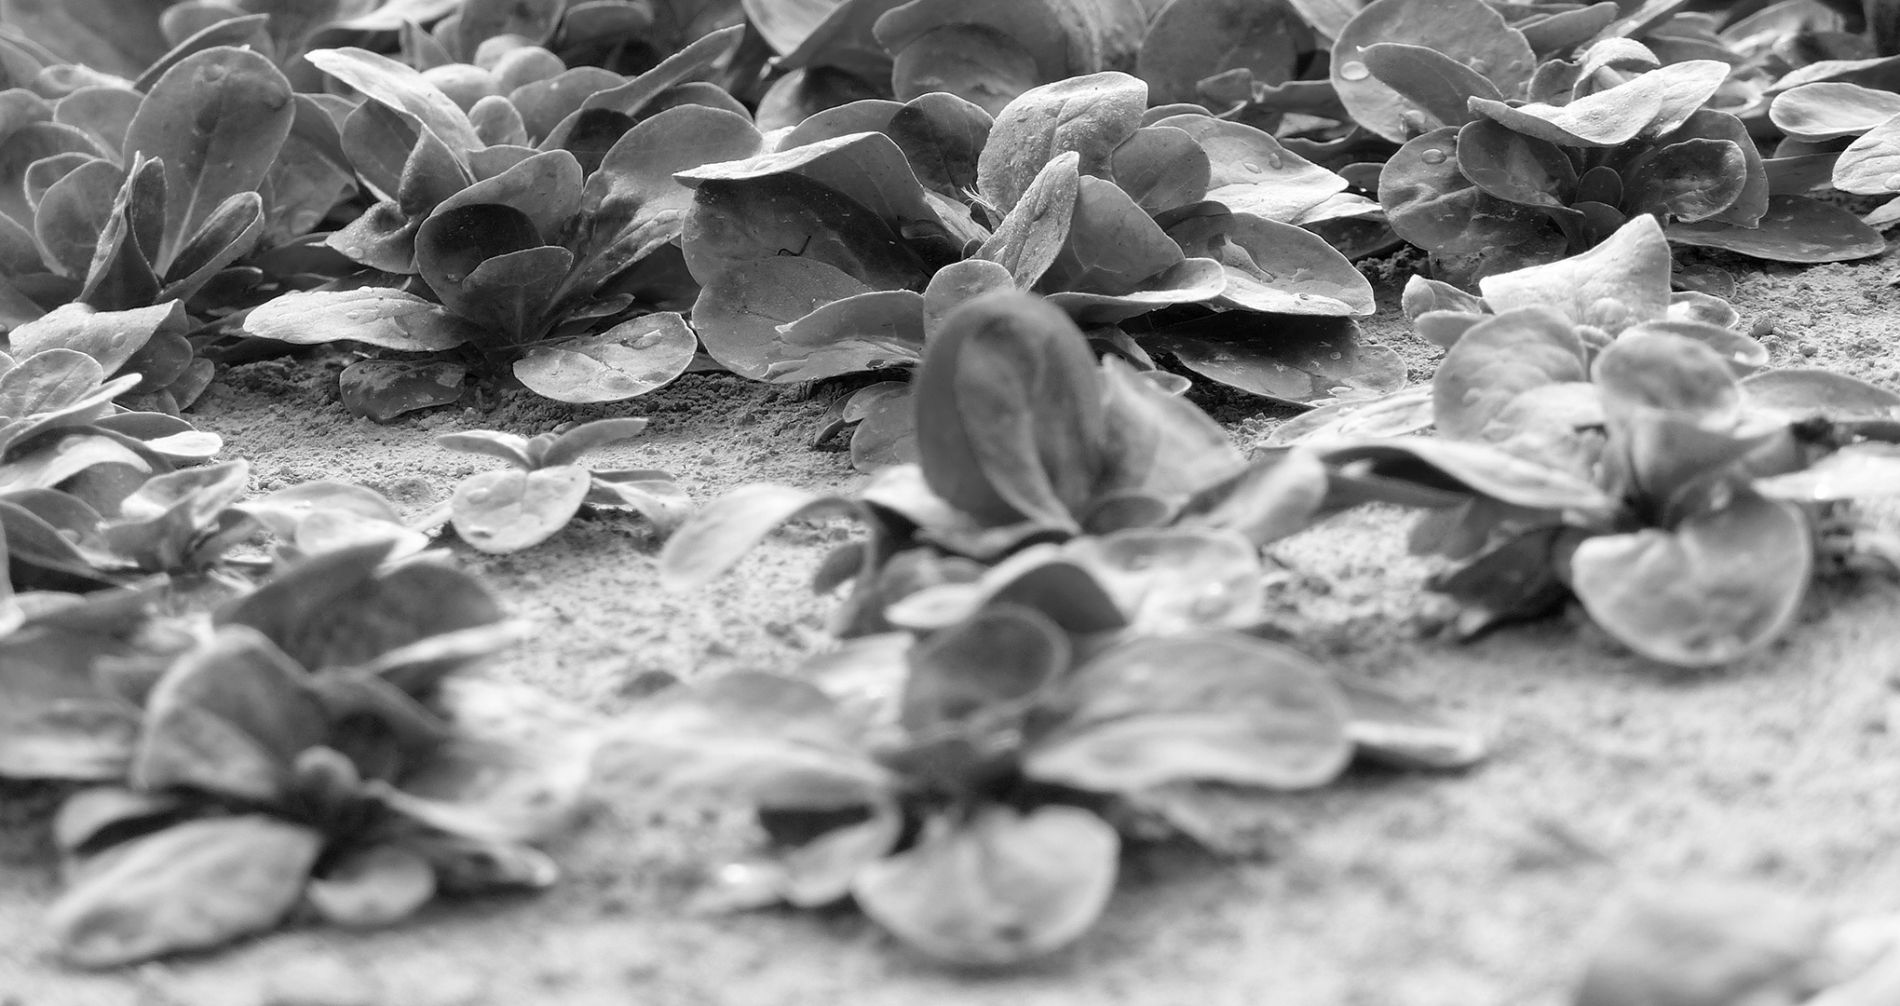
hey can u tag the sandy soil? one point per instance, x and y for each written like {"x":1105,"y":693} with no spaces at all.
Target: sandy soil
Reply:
{"x":1608,"y":774}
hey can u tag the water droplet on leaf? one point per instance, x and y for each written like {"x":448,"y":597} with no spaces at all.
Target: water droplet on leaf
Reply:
{"x":1250,"y":166}
{"x":1433,"y":156}
{"x":1893,"y":182}
{"x":1354,"y":70}
{"x":1275,"y":161}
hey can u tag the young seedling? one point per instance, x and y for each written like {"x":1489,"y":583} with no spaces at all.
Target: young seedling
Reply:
{"x":520,"y":507}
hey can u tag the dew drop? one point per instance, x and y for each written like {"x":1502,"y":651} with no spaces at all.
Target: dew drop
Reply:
{"x":1433,"y":156}
{"x":1480,"y":64}
{"x":1275,"y":161}
{"x":1893,"y":182}
{"x":1251,"y":166}
{"x":1354,"y":70}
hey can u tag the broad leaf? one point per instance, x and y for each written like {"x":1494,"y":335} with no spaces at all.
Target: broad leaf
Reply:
{"x":229,"y":719}
{"x":377,"y":316}
{"x":1470,"y":232}
{"x":1794,"y":229}
{"x":629,"y":359}
{"x":742,"y":311}
{"x":1209,"y":706}
{"x":1432,"y":87}
{"x":1718,"y":586}
{"x":192,"y":886}
{"x":1089,"y":115}
{"x":1650,"y":105}
{"x":1465,"y":31}
{"x":381,"y":390}
{"x":1618,"y":283}
{"x":1294,"y":358}
{"x":1521,"y":352}
{"x":726,"y":529}
{"x":996,"y":887}
{"x":509,"y":510}
{"x":632,"y":204}
{"x":866,"y":331}
{"x":1008,"y":403}
{"x":73,"y":212}
{"x":217,"y":120}
{"x":1829,"y":110}
{"x":338,"y":609}
{"x":401,"y":89}
{"x":372,"y":887}
{"x":1178,"y":579}
{"x":1251,"y":172}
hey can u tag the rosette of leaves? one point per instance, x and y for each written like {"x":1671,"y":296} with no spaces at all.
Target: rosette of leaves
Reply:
{"x":1022,"y":438}
{"x":320,"y":753}
{"x":1623,"y":282}
{"x":840,"y":251}
{"x":122,"y":199}
{"x":70,"y":464}
{"x":1530,"y":50}
{"x":534,"y":259}
{"x":1636,"y":473}
{"x":522,"y":506}
{"x":1493,"y":178}
{"x":971,"y":790}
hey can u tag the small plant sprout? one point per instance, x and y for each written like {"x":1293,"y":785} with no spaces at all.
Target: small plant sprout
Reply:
{"x":520,"y":507}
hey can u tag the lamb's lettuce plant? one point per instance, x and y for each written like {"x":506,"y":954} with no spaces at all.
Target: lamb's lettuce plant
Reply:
{"x":324,"y":749}
{"x":1589,"y":451}
{"x":1523,"y":162}
{"x":1022,"y":437}
{"x":971,"y":790}
{"x":524,"y":505}
{"x":536,"y":258}
{"x":121,"y":199}
{"x":840,"y":249}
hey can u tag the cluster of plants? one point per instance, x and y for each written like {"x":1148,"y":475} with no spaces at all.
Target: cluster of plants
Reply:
{"x":1007,"y":234}
{"x":1055,"y":637}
